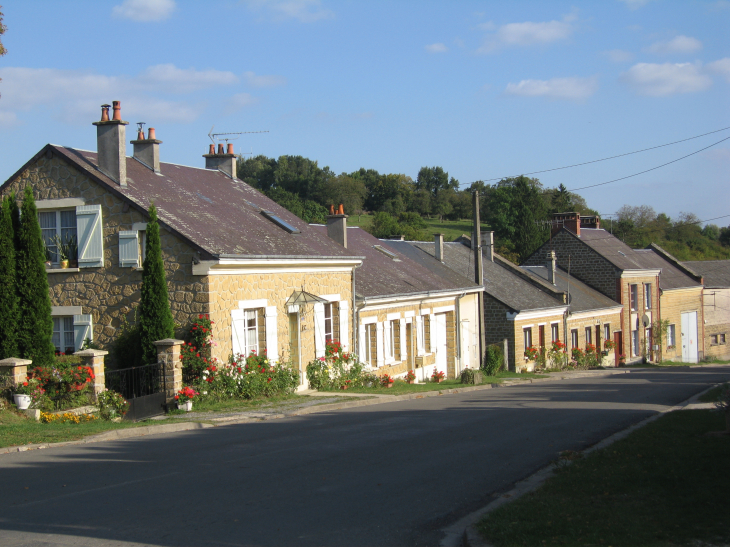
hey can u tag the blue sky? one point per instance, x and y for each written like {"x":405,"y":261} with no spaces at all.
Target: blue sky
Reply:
{"x":483,"y":89}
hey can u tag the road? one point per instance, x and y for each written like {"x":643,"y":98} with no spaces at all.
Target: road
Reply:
{"x":390,"y":474}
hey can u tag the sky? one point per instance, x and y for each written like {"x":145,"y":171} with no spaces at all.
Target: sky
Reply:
{"x":483,"y":89}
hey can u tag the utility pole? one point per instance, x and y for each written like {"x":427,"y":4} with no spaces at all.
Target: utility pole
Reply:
{"x":476,"y":245}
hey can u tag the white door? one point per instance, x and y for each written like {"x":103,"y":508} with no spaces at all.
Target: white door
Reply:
{"x":689,"y":337}
{"x":440,"y":333}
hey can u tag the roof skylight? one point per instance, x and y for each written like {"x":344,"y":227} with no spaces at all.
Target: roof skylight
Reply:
{"x":280,"y":222}
{"x":386,"y":252}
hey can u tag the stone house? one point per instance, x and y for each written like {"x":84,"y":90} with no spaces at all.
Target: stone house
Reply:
{"x":530,"y":307}
{"x":650,"y":285}
{"x":268,"y":280}
{"x":412,"y":313}
{"x":716,"y":305}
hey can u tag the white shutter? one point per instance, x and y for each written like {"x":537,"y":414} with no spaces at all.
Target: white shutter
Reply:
{"x":319,"y":341}
{"x":238,"y":328}
{"x":431,"y":331}
{"x":82,"y":330}
{"x":403,"y":357}
{"x":129,"y":248}
{"x":361,"y":344}
{"x":90,"y":234}
{"x":379,"y":345}
{"x":420,"y":345}
{"x":344,"y":326}
{"x":272,"y":343}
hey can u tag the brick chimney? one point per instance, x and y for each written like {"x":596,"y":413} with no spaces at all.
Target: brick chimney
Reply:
{"x":337,"y":225}
{"x":439,"y":246}
{"x":488,"y":245}
{"x":147,"y":151}
{"x":222,"y":161}
{"x":552,"y":259}
{"x":570,"y":221}
{"x":591,"y":221}
{"x":111,"y":145}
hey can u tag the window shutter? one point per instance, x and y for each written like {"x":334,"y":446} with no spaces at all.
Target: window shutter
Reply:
{"x":272,"y":344}
{"x":319,"y":342}
{"x":430,"y":335}
{"x":403,"y":347}
{"x":420,"y":342}
{"x":90,"y":236}
{"x":362,"y":342}
{"x":344,"y":325}
{"x":238,"y":329}
{"x":129,"y":248}
{"x":379,"y":353}
{"x":82,"y":330}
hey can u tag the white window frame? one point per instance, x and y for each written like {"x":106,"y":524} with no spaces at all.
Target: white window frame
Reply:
{"x":63,"y":328}
{"x":328,"y":322}
{"x":634,"y":343}
{"x":420,"y":335}
{"x":647,"y":296}
{"x":367,"y":348}
{"x":634,"y":297}
{"x":555,"y":332}
{"x":607,"y":331}
{"x":574,"y":340}
{"x":58,"y":229}
{"x":589,"y":336}
{"x":527,"y":337}
{"x":671,"y":335}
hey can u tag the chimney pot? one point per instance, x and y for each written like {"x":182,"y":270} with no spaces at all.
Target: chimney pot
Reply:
{"x":105,"y":112}
{"x":117,"y":106}
{"x":332,"y":209}
{"x":439,"y":246}
{"x":151,"y":134}
{"x":230,"y":148}
{"x":140,"y":135}
{"x":220,"y":148}
{"x":211,"y":149}
{"x":341,"y":210}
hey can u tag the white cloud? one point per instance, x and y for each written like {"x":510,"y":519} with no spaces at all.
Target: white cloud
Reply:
{"x":635,"y":4}
{"x":144,"y":11}
{"x":574,"y":88}
{"x":678,"y":44}
{"x":74,"y":96}
{"x":528,"y":34}
{"x":261,"y":80}
{"x":239,"y":101}
{"x":436,"y":48}
{"x":721,"y":66}
{"x":8,"y":119}
{"x":620,"y":56}
{"x":304,"y":11}
{"x":658,"y":80}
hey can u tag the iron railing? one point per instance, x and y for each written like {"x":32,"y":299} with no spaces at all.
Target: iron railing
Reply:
{"x":136,"y":381}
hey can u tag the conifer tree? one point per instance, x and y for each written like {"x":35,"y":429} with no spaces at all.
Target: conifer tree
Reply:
{"x":35,"y":326}
{"x":8,"y":289}
{"x":155,"y":317}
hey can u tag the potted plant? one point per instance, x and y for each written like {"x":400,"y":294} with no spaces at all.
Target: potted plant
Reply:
{"x":531,"y":353}
{"x":386,"y":381}
{"x":27,"y":392}
{"x":437,"y":376}
{"x":410,"y":377}
{"x":184,"y":398}
{"x":67,"y":249}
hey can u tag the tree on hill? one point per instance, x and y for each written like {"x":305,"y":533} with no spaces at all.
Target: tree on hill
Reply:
{"x":155,"y":317}
{"x":35,"y":326}
{"x":8,"y":295}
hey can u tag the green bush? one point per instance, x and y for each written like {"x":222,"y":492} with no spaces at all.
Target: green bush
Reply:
{"x":195,"y":353}
{"x":338,"y":370}
{"x":126,"y":350}
{"x":65,"y":385}
{"x":493,"y":359}
{"x":249,"y":377}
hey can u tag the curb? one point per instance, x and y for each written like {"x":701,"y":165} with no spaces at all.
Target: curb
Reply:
{"x":470,"y":537}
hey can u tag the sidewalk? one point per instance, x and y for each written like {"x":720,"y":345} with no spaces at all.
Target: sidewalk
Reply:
{"x":320,"y":402}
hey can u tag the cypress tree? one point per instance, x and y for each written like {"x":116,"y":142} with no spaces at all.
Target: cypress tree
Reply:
{"x":8,"y":289}
{"x":35,"y":326}
{"x":155,"y":317}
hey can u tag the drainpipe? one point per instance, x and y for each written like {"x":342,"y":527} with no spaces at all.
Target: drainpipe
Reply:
{"x":459,"y":353}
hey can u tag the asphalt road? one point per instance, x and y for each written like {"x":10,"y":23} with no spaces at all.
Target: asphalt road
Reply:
{"x":390,"y":474}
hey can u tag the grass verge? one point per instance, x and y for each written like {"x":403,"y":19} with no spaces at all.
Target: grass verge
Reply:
{"x":713,"y":395}
{"x":665,"y":484}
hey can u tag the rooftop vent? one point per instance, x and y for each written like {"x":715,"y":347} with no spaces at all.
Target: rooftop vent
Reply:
{"x":280,"y":222}
{"x":386,"y":252}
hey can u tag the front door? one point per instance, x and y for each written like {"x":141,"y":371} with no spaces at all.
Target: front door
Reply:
{"x":440,"y":337}
{"x":294,"y":347}
{"x":689,"y":337}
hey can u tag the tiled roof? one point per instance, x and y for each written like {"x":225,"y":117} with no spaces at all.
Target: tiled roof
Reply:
{"x":582,"y":297}
{"x":715,"y":272}
{"x":671,"y":276}
{"x":220,"y":215}
{"x":499,"y":282}
{"x":383,"y":275}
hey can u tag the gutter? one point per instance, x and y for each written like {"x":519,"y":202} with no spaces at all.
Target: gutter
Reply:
{"x":418,"y":296}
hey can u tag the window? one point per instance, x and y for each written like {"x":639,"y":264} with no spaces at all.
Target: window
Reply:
{"x":573,"y":338}
{"x":721,"y":338}
{"x":421,"y":335}
{"x":647,"y":296}
{"x":368,"y":346}
{"x":527,"y":337}
{"x":541,"y":336}
{"x":671,"y":340}
{"x":607,"y":331}
{"x":328,"y":322}
{"x":58,"y":226}
{"x":634,"y":343}
{"x":63,"y":334}
{"x":634,"y":297}
{"x":251,"y":332}
{"x":588,"y":336}
{"x":554,"y":332}
{"x":389,"y":340}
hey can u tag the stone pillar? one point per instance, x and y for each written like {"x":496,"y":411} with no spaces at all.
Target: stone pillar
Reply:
{"x":94,"y":358}
{"x":16,"y":369}
{"x":168,"y":353}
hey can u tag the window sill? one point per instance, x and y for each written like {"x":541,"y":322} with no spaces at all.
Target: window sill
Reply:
{"x":62,"y":270}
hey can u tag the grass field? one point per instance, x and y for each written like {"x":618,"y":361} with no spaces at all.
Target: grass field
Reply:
{"x":450,"y":228}
{"x":664,"y":485}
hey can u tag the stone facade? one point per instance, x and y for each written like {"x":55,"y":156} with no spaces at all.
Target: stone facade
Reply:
{"x":673,"y":303}
{"x":717,"y":323}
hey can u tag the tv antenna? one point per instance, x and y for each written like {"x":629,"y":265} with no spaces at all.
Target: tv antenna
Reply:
{"x":227,"y":136}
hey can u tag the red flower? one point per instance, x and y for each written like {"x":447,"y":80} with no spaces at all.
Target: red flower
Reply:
{"x":268,"y":380}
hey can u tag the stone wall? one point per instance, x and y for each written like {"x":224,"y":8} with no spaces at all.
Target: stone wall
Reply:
{"x":580,"y":324}
{"x":717,"y":321}
{"x":673,"y":303}
{"x":111,"y":293}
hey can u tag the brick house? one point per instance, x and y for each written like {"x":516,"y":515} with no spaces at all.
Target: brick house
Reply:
{"x":228,"y":250}
{"x":716,"y":305}
{"x":411,"y":314}
{"x":650,"y":285}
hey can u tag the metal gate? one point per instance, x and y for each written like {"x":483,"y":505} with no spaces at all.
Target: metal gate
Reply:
{"x":143,"y":387}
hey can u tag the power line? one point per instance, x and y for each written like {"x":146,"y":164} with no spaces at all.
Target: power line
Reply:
{"x":611,"y":157}
{"x":652,"y":169}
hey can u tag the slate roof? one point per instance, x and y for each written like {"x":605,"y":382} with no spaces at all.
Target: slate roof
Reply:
{"x":626,"y":258}
{"x":219,"y":215}
{"x":499,"y":282}
{"x":381,"y":275}
{"x":582,"y":297}
{"x":716,"y":273}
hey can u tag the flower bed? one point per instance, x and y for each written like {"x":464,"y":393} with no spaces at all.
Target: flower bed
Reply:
{"x":248,"y":377}
{"x":338,"y":370}
{"x":64,"y":385}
